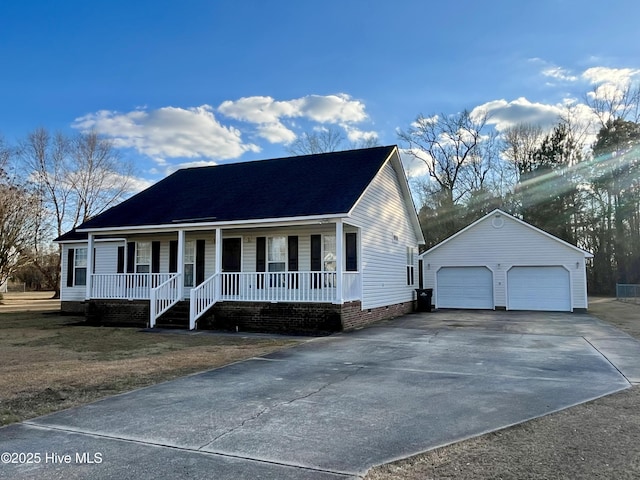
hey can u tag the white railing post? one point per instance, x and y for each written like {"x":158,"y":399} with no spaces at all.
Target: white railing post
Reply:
{"x":192,"y":310}
{"x":152,"y":308}
{"x":339,"y":261}
{"x":180,"y":259}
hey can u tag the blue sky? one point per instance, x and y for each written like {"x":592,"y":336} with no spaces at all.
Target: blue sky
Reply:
{"x":178,"y":83}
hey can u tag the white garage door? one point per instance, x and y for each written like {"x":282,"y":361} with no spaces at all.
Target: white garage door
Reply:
{"x":465,"y":287}
{"x":539,"y":288}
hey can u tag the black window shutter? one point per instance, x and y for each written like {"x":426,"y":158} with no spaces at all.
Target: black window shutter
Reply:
{"x":200,"y":252}
{"x":316,"y":253}
{"x":131,"y":257}
{"x":173,"y":256}
{"x":70,"y":254}
{"x":351,"y":247}
{"x":261,"y":254}
{"x":155,"y":257}
{"x":292,"y":244}
{"x":120,"y":267}
{"x":293,"y":253}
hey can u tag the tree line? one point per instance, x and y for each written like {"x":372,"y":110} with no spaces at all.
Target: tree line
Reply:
{"x":49,"y":184}
{"x":584,"y":192}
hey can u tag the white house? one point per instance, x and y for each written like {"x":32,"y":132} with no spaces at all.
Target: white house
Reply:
{"x":311,"y":243}
{"x":501,"y":262}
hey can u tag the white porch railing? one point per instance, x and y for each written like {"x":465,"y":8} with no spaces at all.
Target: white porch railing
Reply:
{"x":287,"y":286}
{"x":163,"y":297}
{"x":129,"y":286}
{"x":202,"y":298}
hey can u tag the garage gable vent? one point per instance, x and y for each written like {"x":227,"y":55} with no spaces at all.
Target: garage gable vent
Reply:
{"x":497,"y":221}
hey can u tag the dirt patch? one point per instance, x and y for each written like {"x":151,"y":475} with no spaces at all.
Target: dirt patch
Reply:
{"x":624,"y":315}
{"x":599,"y":439}
{"x":50,"y":362}
{"x":29,"y":302}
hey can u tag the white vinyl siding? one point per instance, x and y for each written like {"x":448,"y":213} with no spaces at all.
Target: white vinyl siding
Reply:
{"x":106,"y":257}
{"x":386,"y":233}
{"x":499,"y":249}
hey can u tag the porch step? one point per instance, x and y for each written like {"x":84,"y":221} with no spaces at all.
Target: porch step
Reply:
{"x":176,"y":317}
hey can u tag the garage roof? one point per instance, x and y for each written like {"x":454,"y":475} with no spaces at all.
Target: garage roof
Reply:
{"x":522,"y":222}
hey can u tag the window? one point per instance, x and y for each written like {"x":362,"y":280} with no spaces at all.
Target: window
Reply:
{"x":80,"y":267}
{"x":143,"y":257}
{"x":329,"y":260}
{"x":329,"y":253}
{"x":276,"y":254}
{"x":410,"y":267}
{"x":189,"y":262}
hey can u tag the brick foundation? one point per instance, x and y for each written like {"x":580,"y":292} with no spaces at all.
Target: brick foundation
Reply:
{"x":354,"y":317}
{"x":73,"y":308}
{"x":291,"y":318}
{"x":297,"y":318}
{"x":125,"y":313}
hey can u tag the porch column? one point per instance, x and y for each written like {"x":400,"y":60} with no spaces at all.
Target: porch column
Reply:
{"x":89,"y":266}
{"x":181,"y":240}
{"x":217,"y":286}
{"x":339,"y":261}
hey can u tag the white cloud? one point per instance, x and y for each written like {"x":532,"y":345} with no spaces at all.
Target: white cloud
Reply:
{"x":355,"y":135}
{"x":415,"y":162}
{"x":168,"y":132}
{"x":505,"y":114}
{"x":333,"y":109}
{"x":276,"y":133}
{"x":615,"y":76}
{"x":559,"y":73}
{"x":610,"y":84}
{"x":268,"y":113}
{"x":258,"y":109}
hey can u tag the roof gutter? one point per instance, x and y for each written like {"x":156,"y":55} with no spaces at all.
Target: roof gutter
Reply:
{"x":195,"y":226}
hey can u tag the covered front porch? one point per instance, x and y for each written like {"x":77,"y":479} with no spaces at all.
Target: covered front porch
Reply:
{"x":315,"y":263}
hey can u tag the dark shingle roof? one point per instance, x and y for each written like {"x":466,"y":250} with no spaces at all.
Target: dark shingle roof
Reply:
{"x":308,"y":185}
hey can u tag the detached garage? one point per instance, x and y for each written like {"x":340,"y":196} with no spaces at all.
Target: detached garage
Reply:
{"x":502,"y":262}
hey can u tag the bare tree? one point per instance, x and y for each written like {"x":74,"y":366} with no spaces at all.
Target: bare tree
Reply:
{"x":74,"y":178}
{"x":99,"y":178}
{"x":320,"y":141}
{"x":609,"y":101}
{"x":327,"y":140}
{"x":17,"y":218}
{"x":519,"y":143}
{"x":448,"y":145}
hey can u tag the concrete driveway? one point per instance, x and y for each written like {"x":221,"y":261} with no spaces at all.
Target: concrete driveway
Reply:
{"x":333,"y":407}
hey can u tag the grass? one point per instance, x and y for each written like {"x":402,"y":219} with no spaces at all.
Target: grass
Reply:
{"x":50,"y":362}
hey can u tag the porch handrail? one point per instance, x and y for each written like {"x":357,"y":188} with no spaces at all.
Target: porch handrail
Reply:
{"x":202,"y":298}
{"x":129,"y":286}
{"x":163,"y":297}
{"x":300,"y":286}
